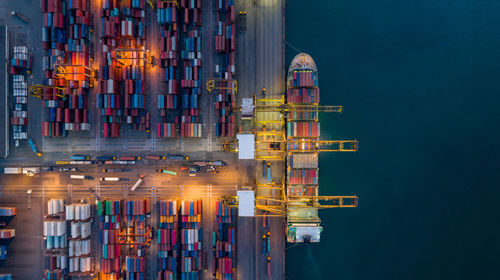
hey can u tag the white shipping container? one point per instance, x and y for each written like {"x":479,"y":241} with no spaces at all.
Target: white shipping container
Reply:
{"x":75,"y":229}
{"x":12,"y":170}
{"x":78,"y":248}
{"x":71,"y":248}
{"x":85,"y":230}
{"x":70,"y":212}
{"x":55,"y":206}
{"x":63,"y":262}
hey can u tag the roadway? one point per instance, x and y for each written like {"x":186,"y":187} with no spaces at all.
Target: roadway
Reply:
{"x":260,"y":63}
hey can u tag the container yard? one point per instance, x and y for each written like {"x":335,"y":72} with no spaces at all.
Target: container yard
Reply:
{"x":131,"y":156}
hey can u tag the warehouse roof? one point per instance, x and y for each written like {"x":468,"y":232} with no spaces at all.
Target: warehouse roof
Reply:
{"x":246,"y":146}
{"x":246,"y":203}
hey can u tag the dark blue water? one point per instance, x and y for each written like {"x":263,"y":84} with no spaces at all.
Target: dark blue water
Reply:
{"x":420,"y":82}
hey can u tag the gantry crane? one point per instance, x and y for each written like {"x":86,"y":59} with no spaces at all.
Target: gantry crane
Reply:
{"x":218,"y":84}
{"x":274,"y":145}
{"x":37,"y":91}
{"x":76,"y":72}
{"x":169,"y":1}
{"x":134,"y":56}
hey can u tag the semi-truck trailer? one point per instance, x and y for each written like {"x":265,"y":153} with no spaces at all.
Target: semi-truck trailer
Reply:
{"x":114,"y":179}
{"x":34,"y":148}
{"x":165,"y":171}
{"x":152,"y":157}
{"x":79,"y":157}
{"x":141,"y":178}
{"x":79,"y":177}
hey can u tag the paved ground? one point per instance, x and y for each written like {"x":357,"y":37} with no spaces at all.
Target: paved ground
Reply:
{"x":259,"y":62}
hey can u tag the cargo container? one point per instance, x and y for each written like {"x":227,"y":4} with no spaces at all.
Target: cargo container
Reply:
{"x":11,"y":170}
{"x":269,"y":172}
{"x":8,"y":211}
{"x":113,"y":179}
{"x":79,"y":157}
{"x":34,"y":148}
{"x":3,"y":252}
{"x":152,"y":157}
{"x":113,"y":170}
{"x":105,"y":158}
{"x":130,"y":158}
{"x":80,"y":177}
{"x":7,"y":233}
{"x":165,"y":171}
{"x":167,"y":235}
{"x":139,"y":181}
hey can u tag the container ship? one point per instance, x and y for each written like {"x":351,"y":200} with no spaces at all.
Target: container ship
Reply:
{"x":303,"y":223}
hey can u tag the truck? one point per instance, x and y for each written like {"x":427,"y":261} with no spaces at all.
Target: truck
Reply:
{"x":105,"y":158}
{"x":269,"y":172}
{"x":141,"y":178}
{"x":207,"y":163}
{"x":130,"y":158}
{"x":269,"y":266}
{"x":20,"y":16}
{"x":152,"y":157}
{"x":264,"y":168}
{"x":193,"y":170}
{"x":113,"y":179}
{"x":30,"y":171}
{"x":165,"y":171}
{"x":79,"y":157}
{"x":177,"y":157}
{"x":80,"y":177}
{"x":264,"y":244}
{"x":67,"y":169}
{"x":269,"y":241}
{"x":34,"y":148}
{"x":112,"y":170}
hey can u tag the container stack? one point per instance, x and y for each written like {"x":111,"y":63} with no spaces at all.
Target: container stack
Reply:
{"x":191,"y":69}
{"x":76,"y":115}
{"x":134,"y":216}
{"x":8,"y":211}
{"x":135,"y":267}
{"x":224,"y":243}
{"x":109,"y":98}
{"x":169,"y":38}
{"x":167,"y":240}
{"x":7,"y":233}
{"x":79,"y":241}
{"x":225,"y":69}
{"x":66,"y":37}
{"x":19,"y":118}
{"x":109,"y":215}
{"x":302,"y":88}
{"x":134,"y":76}
{"x":53,"y":40}
{"x":56,"y":242}
{"x":191,"y":239}
{"x":134,"y":212}
{"x":21,"y":60}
